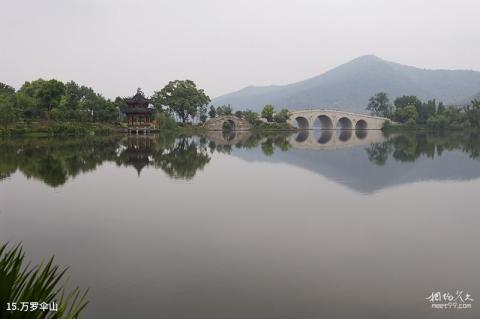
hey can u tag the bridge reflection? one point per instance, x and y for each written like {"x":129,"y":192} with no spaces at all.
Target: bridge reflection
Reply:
{"x":304,"y":139}
{"x":334,"y":139}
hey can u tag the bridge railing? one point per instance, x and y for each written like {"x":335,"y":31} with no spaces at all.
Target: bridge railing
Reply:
{"x":339,"y":112}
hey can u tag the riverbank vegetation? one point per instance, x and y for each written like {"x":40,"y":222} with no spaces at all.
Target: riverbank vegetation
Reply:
{"x":51,"y":107}
{"x":22,"y":284}
{"x":409,"y":112}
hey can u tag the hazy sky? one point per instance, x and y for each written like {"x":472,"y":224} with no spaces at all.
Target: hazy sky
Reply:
{"x":116,"y":46}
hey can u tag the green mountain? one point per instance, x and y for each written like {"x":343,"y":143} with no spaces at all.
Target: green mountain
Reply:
{"x":349,"y":86}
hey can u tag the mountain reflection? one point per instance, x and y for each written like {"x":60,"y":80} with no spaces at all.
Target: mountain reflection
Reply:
{"x":341,"y":156}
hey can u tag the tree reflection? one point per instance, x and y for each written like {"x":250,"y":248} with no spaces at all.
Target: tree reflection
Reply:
{"x":410,"y":147}
{"x":54,"y":161}
{"x":183,"y":159}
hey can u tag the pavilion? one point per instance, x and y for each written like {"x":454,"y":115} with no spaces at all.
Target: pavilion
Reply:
{"x":138,"y":112}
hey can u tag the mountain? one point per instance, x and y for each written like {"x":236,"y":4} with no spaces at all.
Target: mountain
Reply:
{"x":469,"y":100}
{"x":363,"y":176}
{"x":350,"y":85}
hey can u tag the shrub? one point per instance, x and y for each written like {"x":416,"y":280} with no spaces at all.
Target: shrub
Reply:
{"x":20,"y":282}
{"x":165,"y":121}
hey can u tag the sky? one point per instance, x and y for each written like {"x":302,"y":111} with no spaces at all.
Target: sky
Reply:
{"x":116,"y":46}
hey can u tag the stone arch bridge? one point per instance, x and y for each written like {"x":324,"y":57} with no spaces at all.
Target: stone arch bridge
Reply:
{"x":237,"y":124}
{"x":333,"y":119}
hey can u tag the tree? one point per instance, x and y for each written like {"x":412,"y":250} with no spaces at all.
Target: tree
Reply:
{"x":267,"y":112}
{"x":426,"y":110}
{"x":50,"y":94}
{"x":6,"y":89}
{"x":239,"y":114}
{"x":441,"y":108}
{"x":406,"y":100}
{"x":8,"y":114}
{"x":406,"y":113}
{"x":379,"y":105}
{"x":224,"y":110}
{"x":472,"y":112}
{"x":251,"y":117}
{"x":282,"y":116}
{"x":165,"y":121}
{"x":212,"y":112}
{"x":203,"y":113}
{"x":47,"y":94}
{"x":182,"y":97}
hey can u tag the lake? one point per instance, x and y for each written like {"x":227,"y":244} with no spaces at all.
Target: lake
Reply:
{"x":316,"y":224}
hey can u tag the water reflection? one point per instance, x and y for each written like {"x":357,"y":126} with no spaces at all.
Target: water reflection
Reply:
{"x":55,"y":161}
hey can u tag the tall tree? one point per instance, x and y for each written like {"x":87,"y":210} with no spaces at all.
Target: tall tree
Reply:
{"x":282,"y":116}
{"x":239,"y":114}
{"x":267,"y":112}
{"x":224,"y":110}
{"x":405,"y":100}
{"x":212,"y":112}
{"x":46,"y":93}
{"x":8,"y":114}
{"x":203,"y":113}
{"x":6,"y":89}
{"x":182,"y":97}
{"x":379,"y":105}
{"x":251,"y":117}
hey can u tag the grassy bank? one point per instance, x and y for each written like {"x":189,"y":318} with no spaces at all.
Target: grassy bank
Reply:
{"x":46,"y":128}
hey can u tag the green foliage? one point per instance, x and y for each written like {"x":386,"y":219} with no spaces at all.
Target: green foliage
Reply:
{"x":8,"y":113}
{"x":212,"y":112}
{"x":426,"y":110}
{"x":438,"y":122}
{"x":436,"y":117}
{"x":472,"y":112}
{"x":406,"y":100}
{"x":378,"y":152}
{"x":405,"y":113}
{"x":282,"y":116}
{"x":182,"y":97}
{"x":379,"y":105}
{"x":267,"y":112}
{"x":267,"y":147}
{"x":239,"y":114}
{"x":21,"y":282}
{"x":411,"y":123}
{"x":183,"y":159}
{"x":64,"y":102}
{"x":203,"y":114}
{"x":224,"y":110}
{"x":47,"y":93}
{"x":165,"y":121}
{"x":251,"y":117}
{"x":6,"y":89}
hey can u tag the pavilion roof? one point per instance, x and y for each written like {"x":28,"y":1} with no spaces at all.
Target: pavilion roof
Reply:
{"x":138,"y":99}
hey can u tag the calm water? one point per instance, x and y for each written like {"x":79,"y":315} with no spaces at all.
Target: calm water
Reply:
{"x":312,"y":225}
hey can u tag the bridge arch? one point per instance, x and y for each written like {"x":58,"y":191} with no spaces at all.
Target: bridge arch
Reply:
{"x":344,"y":123}
{"x":324,"y":122}
{"x":345,"y":135}
{"x":344,"y":119}
{"x":236,"y":123}
{"x":302,"y":123}
{"x":361,"y":125}
{"x":361,"y":134}
{"x":228,"y":124}
{"x":302,"y":136}
{"x":325,"y":136}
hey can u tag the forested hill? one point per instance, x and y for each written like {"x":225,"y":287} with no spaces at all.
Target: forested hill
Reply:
{"x":349,"y":86}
